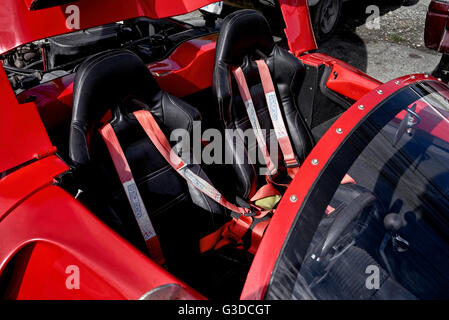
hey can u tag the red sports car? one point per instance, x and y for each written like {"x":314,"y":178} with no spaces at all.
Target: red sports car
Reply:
{"x":145,"y":158}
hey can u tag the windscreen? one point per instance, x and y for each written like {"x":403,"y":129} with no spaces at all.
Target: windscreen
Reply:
{"x":375,"y":225}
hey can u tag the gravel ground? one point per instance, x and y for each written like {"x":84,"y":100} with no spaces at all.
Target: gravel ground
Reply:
{"x":396,"y":49}
{"x":194,"y":18}
{"x":398,"y":24}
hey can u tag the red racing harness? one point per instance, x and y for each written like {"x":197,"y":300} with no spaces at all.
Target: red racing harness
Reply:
{"x":248,"y":217}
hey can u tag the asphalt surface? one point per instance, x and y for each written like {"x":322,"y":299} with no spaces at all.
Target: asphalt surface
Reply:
{"x":395,"y":49}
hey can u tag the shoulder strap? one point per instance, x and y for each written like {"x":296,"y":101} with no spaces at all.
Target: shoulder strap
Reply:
{"x":132,"y":193}
{"x":290,"y":160}
{"x":252,"y":115}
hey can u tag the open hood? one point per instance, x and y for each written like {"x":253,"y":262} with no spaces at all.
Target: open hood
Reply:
{"x":23,"y":21}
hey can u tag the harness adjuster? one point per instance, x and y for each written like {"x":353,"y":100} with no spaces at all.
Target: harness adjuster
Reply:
{"x":250,"y":214}
{"x":292,"y":163}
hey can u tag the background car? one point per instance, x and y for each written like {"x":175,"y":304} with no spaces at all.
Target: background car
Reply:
{"x":436,"y":37}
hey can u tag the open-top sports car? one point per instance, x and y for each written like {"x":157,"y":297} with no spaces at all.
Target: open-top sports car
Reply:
{"x":145,"y":158}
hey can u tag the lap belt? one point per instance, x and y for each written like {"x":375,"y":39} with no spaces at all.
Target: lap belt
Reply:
{"x":290,"y":160}
{"x":161,"y":143}
{"x":132,"y":193}
{"x":231,"y":232}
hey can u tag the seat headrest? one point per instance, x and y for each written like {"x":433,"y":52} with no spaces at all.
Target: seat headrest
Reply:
{"x":242,"y":33}
{"x":101,"y":83}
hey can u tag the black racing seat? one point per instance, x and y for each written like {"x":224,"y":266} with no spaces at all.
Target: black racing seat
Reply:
{"x":245,"y":36}
{"x":104,"y":91}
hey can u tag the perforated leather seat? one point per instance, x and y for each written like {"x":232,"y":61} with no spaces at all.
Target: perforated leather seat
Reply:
{"x":106,"y":84}
{"x":244,"y":37}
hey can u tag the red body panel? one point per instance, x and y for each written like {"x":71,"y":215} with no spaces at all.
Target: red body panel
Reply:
{"x":435,"y":36}
{"x":344,"y":78}
{"x":19,"y":25}
{"x":68,"y":234}
{"x":189,"y":68}
{"x":28,"y":3}
{"x":22,"y":135}
{"x":298,"y":29}
{"x":41,"y":261}
{"x":53,"y":100}
{"x":24,"y":182}
{"x":281,"y":223}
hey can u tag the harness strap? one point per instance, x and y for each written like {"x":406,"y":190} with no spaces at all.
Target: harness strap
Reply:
{"x":161,"y":143}
{"x":132,"y":193}
{"x":257,"y":234}
{"x":231,"y":232}
{"x":252,"y":115}
{"x":290,"y":159}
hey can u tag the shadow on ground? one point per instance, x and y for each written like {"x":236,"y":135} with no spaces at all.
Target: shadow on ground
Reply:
{"x":346,"y":44}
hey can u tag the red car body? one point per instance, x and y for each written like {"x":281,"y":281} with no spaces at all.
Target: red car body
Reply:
{"x":43,"y":228}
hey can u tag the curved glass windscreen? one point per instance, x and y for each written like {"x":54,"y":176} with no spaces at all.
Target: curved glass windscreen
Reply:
{"x":375,"y":225}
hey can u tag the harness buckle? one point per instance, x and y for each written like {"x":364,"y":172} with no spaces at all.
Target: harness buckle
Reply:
{"x":244,"y":204}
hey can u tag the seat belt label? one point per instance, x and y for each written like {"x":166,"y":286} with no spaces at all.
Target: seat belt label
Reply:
{"x":200,"y":184}
{"x":140,"y":212}
{"x":256,"y":125}
{"x":276,"y":118}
